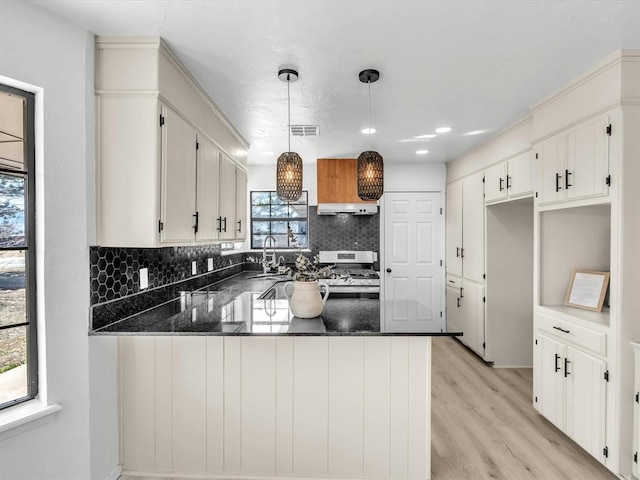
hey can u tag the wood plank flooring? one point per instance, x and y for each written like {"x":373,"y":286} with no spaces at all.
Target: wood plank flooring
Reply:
{"x":485,"y":427}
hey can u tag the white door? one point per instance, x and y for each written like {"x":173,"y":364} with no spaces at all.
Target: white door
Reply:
{"x":207,"y":189}
{"x":473,"y":228}
{"x":178,"y":204}
{"x":454,"y":228}
{"x":413,"y":276}
{"x":586,"y":395}
{"x":551,"y":393}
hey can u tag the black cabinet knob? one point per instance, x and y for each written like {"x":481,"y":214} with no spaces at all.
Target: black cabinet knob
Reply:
{"x":388,"y":270}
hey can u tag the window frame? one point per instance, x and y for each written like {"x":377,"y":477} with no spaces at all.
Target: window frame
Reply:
{"x":274,"y":219}
{"x":29,"y":174}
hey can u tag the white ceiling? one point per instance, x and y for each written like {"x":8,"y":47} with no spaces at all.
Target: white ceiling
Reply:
{"x":471,"y":65}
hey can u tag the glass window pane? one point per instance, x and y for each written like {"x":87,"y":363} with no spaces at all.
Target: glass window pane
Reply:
{"x":260,"y":198}
{"x":279,"y":227}
{"x":257,"y":241}
{"x":12,"y":287}
{"x":302,"y":241}
{"x":297,"y":211}
{"x":298,"y":227}
{"x":261,"y":211}
{"x":275,"y":199}
{"x":279,"y":211}
{"x":12,"y":220}
{"x":261,"y":228}
{"x":282,"y":241}
{"x":13,"y":364}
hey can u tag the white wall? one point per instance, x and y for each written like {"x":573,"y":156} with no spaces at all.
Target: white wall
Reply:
{"x":50,"y":53}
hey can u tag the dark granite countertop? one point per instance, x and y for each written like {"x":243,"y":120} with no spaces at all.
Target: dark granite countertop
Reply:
{"x":236,"y":306}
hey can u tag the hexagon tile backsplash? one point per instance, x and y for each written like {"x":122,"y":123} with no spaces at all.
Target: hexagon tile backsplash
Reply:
{"x":115,"y":271}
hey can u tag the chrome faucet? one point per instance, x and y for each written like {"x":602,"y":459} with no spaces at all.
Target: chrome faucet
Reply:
{"x":268,"y":259}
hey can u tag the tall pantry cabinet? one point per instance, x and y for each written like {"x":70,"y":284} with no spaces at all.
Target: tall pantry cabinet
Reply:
{"x":586,"y":151}
{"x":169,"y":167}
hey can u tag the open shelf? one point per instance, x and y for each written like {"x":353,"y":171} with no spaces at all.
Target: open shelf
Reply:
{"x":572,"y":314}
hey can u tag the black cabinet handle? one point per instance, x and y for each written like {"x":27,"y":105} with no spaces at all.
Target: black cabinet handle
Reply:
{"x":388,"y":270}
{"x":501,"y":182}
{"x":224,"y":227}
{"x":195,"y":227}
{"x":461,"y":292}
{"x":566,"y":367}
{"x":462,"y":253}
{"x":458,"y":302}
{"x":457,"y":252}
{"x":239,"y":226}
{"x":508,"y":181}
{"x":566,"y":179}
{"x":561,"y":329}
{"x":219,"y":220}
{"x":558,"y":177}
{"x":556,"y":363}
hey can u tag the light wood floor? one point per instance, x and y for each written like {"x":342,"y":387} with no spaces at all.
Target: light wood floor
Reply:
{"x":485,"y":427}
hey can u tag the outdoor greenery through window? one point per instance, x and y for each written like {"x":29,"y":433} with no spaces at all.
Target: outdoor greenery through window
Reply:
{"x":18,"y":359}
{"x":271,"y":216}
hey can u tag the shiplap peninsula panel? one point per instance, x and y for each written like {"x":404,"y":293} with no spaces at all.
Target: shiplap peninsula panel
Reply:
{"x":271,"y":407}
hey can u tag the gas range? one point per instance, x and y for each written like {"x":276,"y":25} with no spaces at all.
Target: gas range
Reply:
{"x":355,"y":269}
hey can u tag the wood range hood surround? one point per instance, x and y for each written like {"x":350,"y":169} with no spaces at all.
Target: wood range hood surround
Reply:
{"x":338,"y":188}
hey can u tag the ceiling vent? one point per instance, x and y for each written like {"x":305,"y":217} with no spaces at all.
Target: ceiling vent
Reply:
{"x":305,"y":130}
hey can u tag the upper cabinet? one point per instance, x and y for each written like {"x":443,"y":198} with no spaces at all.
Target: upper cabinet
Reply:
{"x":169,"y":167}
{"x":574,"y":164}
{"x":512,"y":178}
{"x":338,"y":181}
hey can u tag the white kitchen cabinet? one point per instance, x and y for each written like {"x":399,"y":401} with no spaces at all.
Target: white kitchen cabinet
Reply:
{"x":227,"y":212}
{"x":455,"y":316}
{"x":636,"y":409}
{"x":178,"y":204}
{"x":509,"y":179}
{"x":473,"y":317}
{"x":241,"y":224}
{"x":472,"y":248}
{"x":149,"y":189}
{"x":207,"y":192}
{"x":571,"y":392}
{"x":574,"y":164}
{"x":454,"y":228}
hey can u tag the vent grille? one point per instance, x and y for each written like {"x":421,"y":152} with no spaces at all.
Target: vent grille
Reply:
{"x":305,"y":130}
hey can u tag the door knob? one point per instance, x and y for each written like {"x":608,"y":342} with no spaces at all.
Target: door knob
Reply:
{"x":388,"y":270}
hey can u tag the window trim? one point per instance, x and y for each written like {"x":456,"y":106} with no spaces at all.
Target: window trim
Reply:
{"x":29,"y":173}
{"x":271,"y":219}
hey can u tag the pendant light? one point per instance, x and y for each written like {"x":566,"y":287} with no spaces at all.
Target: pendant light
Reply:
{"x":289,"y":169}
{"x":370,"y":163}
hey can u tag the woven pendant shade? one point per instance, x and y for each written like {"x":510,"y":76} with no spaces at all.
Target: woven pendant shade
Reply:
{"x":370,"y":175}
{"x":289,"y":176}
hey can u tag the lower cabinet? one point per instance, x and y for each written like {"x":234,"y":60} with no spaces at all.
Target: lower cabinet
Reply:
{"x":473,"y":317}
{"x":636,"y":410}
{"x":455,"y":318}
{"x":570,"y":392}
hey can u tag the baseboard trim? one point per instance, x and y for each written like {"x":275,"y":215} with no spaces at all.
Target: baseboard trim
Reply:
{"x":229,"y":476}
{"x":115,"y":475}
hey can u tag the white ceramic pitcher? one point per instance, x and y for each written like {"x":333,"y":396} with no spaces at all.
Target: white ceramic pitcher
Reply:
{"x":304,"y":298}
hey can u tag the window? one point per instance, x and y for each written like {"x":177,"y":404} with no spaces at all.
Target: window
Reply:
{"x":18,"y":355}
{"x":272,"y":216}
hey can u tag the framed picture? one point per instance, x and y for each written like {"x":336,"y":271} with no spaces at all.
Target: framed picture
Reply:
{"x":587,"y":289}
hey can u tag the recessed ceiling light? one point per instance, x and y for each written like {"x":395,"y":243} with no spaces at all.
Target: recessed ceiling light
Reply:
{"x":368,"y":131}
{"x":269,"y":154}
{"x":429,"y":135}
{"x":422,"y":152}
{"x":443,"y":130}
{"x":475,"y":132}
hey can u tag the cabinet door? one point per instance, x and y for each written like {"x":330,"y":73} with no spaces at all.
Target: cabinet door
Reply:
{"x":241,"y":204}
{"x":495,"y":183}
{"x":551,"y":385}
{"x":586,"y":400}
{"x":454,"y":228}
{"x":227,"y":198}
{"x":473,"y":228}
{"x":208,"y":190}
{"x":551,"y":165}
{"x":455,"y":321}
{"x":520,"y":175}
{"x":178,"y":204}
{"x":588,"y":159}
{"x":473,"y":312}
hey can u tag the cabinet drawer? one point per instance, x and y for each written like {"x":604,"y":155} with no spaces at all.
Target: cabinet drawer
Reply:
{"x":572,"y":333}
{"x":454,"y":282}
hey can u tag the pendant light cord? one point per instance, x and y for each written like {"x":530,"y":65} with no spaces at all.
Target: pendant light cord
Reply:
{"x":289,"y":110}
{"x":369,"y":83}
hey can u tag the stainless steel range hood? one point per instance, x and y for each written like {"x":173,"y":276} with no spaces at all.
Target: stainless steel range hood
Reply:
{"x":352,"y":208}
